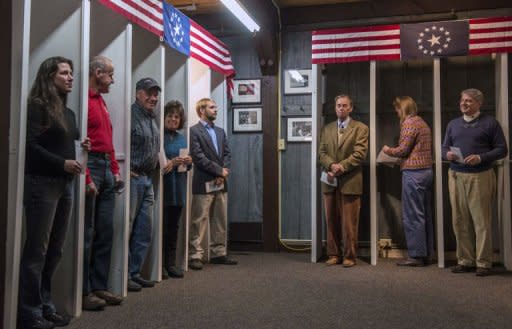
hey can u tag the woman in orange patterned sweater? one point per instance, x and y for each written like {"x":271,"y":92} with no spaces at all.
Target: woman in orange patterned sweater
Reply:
{"x":415,"y":150}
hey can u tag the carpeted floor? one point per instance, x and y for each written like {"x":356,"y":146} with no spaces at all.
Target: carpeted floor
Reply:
{"x":285,"y":290}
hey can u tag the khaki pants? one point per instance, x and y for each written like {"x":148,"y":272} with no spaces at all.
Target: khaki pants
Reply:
{"x":208,"y":208}
{"x":342,"y":216}
{"x":472,"y":199}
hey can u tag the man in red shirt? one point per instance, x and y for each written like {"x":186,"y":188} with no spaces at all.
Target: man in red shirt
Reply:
{"x":102,"y":178}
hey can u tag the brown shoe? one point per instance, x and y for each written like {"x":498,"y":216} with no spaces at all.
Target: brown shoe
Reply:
{"x":332,"y":260}
{"x":483,"y":271}
{"x":348,"y":263}
{"x":109,"y":297}
{"x":93,"y":303}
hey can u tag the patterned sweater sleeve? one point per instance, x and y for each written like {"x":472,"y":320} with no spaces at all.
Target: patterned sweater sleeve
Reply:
{"x":408,"y":135}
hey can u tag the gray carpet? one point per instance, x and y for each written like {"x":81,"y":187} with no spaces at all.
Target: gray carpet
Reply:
{"x":286,"y":291}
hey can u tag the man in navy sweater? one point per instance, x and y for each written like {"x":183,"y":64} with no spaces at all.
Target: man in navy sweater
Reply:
{"x":473,"y":143}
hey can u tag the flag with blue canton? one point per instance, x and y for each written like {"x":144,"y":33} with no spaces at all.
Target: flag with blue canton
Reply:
{"x":176,"y":29}
{"x":435,"y":39}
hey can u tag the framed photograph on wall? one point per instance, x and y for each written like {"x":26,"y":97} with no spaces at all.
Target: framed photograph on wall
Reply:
{"x":246,"y":119}
{"x":246,"y":91}
{"x":300,"y":129}
{"x":297,"y":82}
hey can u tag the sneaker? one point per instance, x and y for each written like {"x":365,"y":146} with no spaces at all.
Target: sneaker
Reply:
{"x":463,"y":269}
{"x":195,"y":264}
{"x":175,"y":272}
{"x":143,"y":282}
{"x":223,"y":260}
{"x":93,"y":303}
{"x":483,"y":271}
{"x":109,"y":297}
{"x":332,"y":260}
{"x":59,"y":320}
{"x":133,"y":286}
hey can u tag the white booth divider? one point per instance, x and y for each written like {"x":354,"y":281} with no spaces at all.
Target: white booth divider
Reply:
{"x":111,"y":36}
{"x":175,"y":88}
{"x":199,"y":86}
{"x":148,"y":61}
{"x":218,"y":94}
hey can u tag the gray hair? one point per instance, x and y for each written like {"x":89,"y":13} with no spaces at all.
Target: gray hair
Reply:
{"x":476,"y":94}
{"x":98,"y":62}
{"x":343,"y":96}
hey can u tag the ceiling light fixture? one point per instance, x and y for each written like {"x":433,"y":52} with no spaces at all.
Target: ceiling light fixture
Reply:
{"x":236,"y":8}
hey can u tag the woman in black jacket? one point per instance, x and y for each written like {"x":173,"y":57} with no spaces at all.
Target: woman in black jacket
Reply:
{"x":50,"y":168}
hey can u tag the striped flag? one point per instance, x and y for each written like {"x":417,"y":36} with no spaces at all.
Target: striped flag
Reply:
{"x":190,"y":38}
{"x":490,"y":35}
{"x":356,"y":44}
{"x":146,"y":13}
{"x":209,"y":50}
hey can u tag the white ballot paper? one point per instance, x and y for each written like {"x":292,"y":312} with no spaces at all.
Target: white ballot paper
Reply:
{"x":212,"y":187}
{"x":387,"y":159}
{"x":81,"y":156}
{"x":458,"y":153}
{"x":183,"y":154}
{"x":324,"y":178}
{"x":162,"y":159}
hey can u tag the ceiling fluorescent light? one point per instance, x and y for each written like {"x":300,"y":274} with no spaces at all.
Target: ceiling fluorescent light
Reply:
{"x":242,"y":15}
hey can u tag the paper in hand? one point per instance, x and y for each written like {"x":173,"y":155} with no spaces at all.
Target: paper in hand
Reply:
{"x":81,"y":156}
{"x":183,"y":154}
{"x":211,"y":186}
{"x":387,"y":159}
{"x":324,"y":178}
{"x":458,"y":154}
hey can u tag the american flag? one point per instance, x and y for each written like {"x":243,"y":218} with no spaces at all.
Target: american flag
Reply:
{"x":356,"y":44}
{"x":490,"y":35}
{"x":146,"y":13}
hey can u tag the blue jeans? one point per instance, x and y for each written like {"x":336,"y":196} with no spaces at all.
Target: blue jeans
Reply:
{"x":142,"y":200}
{"x":99,"y":227}
{"x":48,"y":205}
{"x":417,"y":211}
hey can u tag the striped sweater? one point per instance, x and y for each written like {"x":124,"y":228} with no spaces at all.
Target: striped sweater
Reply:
{"x":415,"y":146}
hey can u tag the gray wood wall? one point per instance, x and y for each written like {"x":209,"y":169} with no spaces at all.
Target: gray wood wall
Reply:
{"x":246,"y":178}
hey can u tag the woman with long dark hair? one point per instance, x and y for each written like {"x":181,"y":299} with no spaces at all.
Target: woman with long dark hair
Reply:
{"x":50,"y":168}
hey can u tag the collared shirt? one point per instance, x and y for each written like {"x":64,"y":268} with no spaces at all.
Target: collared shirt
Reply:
{"x":343,"y":124}
{"x":469,"y":118}
{"x":145,"y":141}
{"x":99,"y":130}
{"x":211,"y":131}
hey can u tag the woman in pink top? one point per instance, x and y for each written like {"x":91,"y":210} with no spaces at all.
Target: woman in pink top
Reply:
{"x":415,"y":152}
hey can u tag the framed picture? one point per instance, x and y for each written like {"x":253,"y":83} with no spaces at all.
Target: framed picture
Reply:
{"x":297,"y":82}
{"x":300,"y":129}
{"x":246,"y":91}
{"x":246,"y":119}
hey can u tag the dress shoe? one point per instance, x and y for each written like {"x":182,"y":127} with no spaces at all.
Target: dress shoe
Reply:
{"x":483,"y":271}
{"x":195,"y":264}
{"x":224,"y":260}
{"x":59,"y":320}
{"x":175,"y":272}
{"x":133,"y":286}
{"x":165,"y":274}
{"x":415,"y":262}
{"x":143,"y":282}
{"x":348,"y":263}
{"x":332,"y":260}
{"x":109,"y":297}
{"x":463,"y":269}
{"x":37,"y":323}
{"x":93,"y":303}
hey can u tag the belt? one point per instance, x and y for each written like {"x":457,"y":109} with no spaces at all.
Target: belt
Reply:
{"x":100,"y":155}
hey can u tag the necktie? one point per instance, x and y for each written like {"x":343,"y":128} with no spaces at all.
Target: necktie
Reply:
{"x":341,"y":130}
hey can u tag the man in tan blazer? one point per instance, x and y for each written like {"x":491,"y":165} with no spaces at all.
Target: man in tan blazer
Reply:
{"x":343,"y":147}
